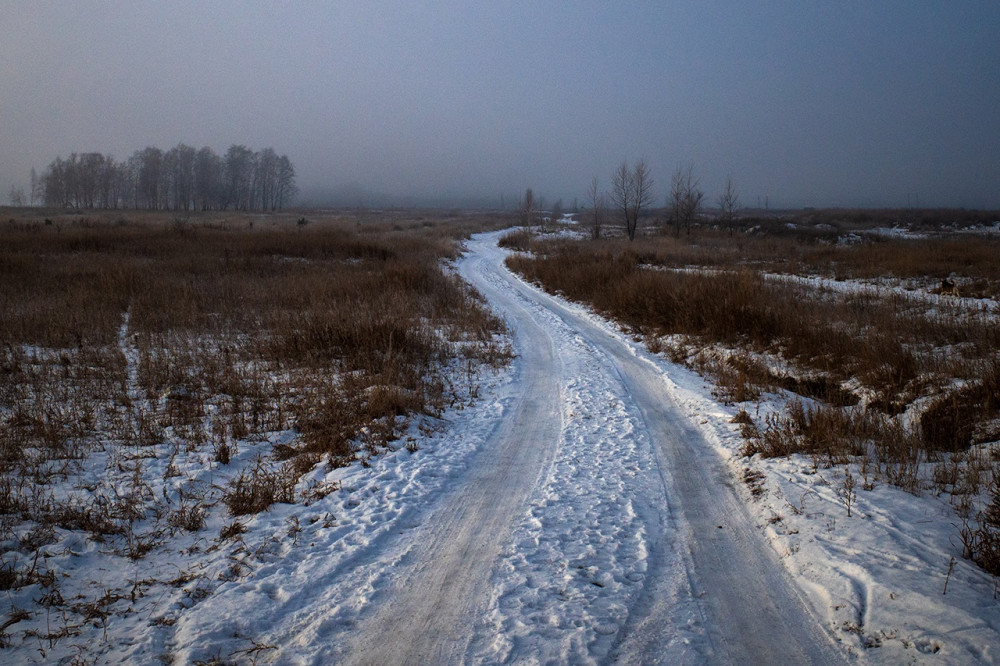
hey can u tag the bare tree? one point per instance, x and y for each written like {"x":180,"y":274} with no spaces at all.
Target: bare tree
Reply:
{"x":642,"y":182}
{"x":685,"y":198}
{"x":107,"y":173}
{"x":208,"y":179}
{"x":527,"y":208}
{"x":631,"y":191}
{"x":90,"y":167}
{"x":599,"y":208}
{"x":729,"y":202}
{"x":557,"y":211}
{"x":179,"y":179}
{"x":239,"y":161}
{"x":53,"y":183}
{"x":267,"y":178}
{"x":121,"y":185}
{"x":149,"y":177}
{"x":180,"y":162}
{"x":621,"y":193}
{"x":286,"y":182}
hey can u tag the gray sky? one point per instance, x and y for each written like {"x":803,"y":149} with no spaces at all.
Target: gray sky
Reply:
{"x":869,"y":103}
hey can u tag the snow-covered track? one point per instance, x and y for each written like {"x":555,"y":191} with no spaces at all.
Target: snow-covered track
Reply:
{"x":431,"y":607}
{"x":595,"y":525}
{"x":715,"y":590}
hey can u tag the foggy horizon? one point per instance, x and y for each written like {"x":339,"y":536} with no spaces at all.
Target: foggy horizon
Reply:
{"x":804,"y":104}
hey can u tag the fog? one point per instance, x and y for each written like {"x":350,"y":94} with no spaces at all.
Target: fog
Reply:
{"x":804,"y":104}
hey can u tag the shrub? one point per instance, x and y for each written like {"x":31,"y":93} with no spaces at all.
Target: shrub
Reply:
{"x":255,"y":489}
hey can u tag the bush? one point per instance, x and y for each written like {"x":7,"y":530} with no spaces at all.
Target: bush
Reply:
{"x":255,"y":489}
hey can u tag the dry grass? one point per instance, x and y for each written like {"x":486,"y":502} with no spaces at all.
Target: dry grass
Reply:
{"x":235,"y":327}
{"x":519,"y":239}
{"x":810,"y":247}
{"x":887,"y":352}
{"x":156,"y":372}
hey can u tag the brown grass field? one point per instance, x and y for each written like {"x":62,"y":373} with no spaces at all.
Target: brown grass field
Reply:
{"x":130,"y":327}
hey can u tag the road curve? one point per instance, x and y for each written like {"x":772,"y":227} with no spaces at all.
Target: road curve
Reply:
{"x":750,"y":609}
{"x":430,"y":613}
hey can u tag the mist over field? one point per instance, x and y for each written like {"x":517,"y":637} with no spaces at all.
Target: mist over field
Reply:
{"x":804,"y":104}
{"x":303,"y":361}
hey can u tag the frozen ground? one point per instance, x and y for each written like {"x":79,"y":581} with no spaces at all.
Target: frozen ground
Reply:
{"x":587,"y":508}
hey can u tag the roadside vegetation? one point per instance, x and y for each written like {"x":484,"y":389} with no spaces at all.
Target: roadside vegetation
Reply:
{"x":882,"y":364}
{"x":163,"y":376}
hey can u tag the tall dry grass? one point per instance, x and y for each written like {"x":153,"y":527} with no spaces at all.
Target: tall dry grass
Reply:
{"x":337,"y":327}
{"x":892,"y":350}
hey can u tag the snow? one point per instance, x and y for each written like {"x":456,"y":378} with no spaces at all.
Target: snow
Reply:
{"x":587,"y":507}
{"x":896,"y":232}
{"x":917,"y":292}
{"x":914,"y":291}
{"x":579,"y":556}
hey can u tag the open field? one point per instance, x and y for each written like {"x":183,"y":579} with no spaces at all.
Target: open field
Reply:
{"x":277,"y":438}
{"x":164,"y":379}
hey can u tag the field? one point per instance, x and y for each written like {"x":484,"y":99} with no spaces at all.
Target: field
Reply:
{"x":164,"y":379}
{"x":213,"y":410}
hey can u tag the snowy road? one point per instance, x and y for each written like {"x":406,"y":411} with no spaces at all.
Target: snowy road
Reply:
{"x":594,"y":525}
{"x":431,"y":607}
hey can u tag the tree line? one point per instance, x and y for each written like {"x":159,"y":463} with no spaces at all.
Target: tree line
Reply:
{"x":183,"y":179}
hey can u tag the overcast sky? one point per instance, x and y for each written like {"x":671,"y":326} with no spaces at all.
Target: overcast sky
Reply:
{"x":871,"y":103}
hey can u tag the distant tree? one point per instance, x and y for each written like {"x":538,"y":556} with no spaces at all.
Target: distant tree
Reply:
{"x":729,"y":202}
{"x":122,"y":185}
{"x":598,"y":208}
{"x":107,"y":171}
{"x":90,"y":169}
{"x":179,"y":164}
{"x":621,"y":194}
{"x":53,"y":184}
{"x":631,"y":191}
{"x":208,"y":179}
{"x":180,"y":179}
{"x":149,"y":182}
{"x":557,"y":211}
{"x":642,"y":182}
{"x":685,"y":198}
{"x":133,"y":166}
{"x":286,"y":183}
{"x":266,"y":178}
{"x":239,"y":162}
{"x":527,"y":208}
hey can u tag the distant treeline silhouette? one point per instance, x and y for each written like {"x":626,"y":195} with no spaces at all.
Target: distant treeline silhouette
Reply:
{"x":182,"y":178}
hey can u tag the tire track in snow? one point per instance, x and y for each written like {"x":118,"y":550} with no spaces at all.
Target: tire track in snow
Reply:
{"x":597,"y":525}
{"x":430,"y":608}
{"x":707,"y":547}
{"x":595,"y":529}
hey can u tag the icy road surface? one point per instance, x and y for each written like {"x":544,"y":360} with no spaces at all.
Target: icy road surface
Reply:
{"x":595,"y":524}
